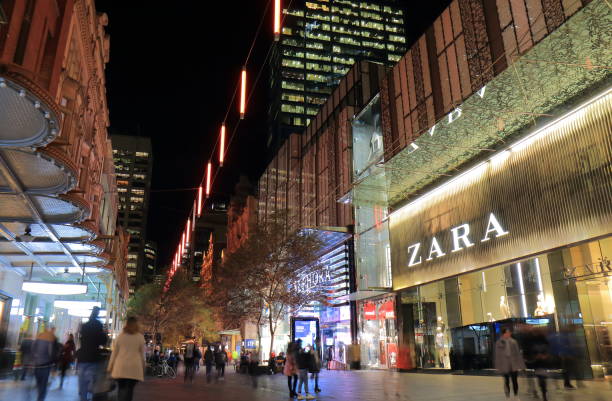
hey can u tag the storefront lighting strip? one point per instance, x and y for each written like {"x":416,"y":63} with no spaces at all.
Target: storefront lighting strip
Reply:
{"x":504,"y":153}
{"x":539,"y":276}
{"x":519,"y":273}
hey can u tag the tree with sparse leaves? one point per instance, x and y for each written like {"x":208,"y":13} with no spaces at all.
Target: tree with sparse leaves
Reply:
{"x":263,"y":280}
{"x":176,"y":313}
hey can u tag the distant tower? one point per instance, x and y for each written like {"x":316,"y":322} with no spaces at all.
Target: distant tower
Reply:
{"x":319,"y":43}
{"x":133,"y":167}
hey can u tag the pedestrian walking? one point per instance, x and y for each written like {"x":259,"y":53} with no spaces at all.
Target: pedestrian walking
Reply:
{"x":196,"y":360}
{"x":508,"y":361}
{"x":26,"y":356}
{"x":315,"y":369}
{"x":209,"y":360}
{"x":540,"y":359}
{"x":44,"y":354}
{"x":290,"y":370}
{"x":304,"y":364}
{"x":190,"y":351}
{"x":66,"y":358}
{"x":127,"y":361}
{"x":89,"y":356}
{"x":220,"y":361}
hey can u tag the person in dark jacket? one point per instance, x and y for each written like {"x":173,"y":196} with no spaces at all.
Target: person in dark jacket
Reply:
{"x":209,"y":360}
{"x":304,"y":364}
{"x":66,"y":358}
{"x":90,"y":356}
{"x":315,"y":368}
{"x":220,"y":361}
{"x":508,"y":360}
{"x":541,"y":359}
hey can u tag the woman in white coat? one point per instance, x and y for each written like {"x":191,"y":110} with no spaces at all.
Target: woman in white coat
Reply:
{"x":127,"y":362}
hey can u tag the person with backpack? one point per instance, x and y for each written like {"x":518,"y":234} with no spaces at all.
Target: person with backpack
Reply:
{"x":220,"y":361}
{"x":189,"y":358}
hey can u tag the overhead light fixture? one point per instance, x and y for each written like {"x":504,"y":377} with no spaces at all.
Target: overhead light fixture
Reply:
{"x":76,"y":304}
{"x":85,"y":312}
{"x":277,"y":19}
{"x":37,"y":287}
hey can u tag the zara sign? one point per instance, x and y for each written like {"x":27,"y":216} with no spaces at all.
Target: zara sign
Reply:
{"x":462,"y":238}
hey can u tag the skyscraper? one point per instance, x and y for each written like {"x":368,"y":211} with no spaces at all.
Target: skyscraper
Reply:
{"x":320,"y":41}
{"x":133,"y":166}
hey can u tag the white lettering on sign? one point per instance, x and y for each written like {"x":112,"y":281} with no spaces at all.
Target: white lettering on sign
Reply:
{"x":460,"y":234}
{"x":493,"y":226}
{"x":453,"y":115}
{"x":461,"y":239}
{"x":481,"y":92}
{"x":413,"y":251}
{"x":435,"y":248}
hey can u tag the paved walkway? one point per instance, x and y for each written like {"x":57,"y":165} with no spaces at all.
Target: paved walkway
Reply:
{"x":337,"y":386}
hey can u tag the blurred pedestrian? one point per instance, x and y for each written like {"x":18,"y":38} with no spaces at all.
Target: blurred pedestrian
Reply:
{"x":43,"y":358}
{"x":541,"y":359}
{"x":220,"y":361}
{"x":196,"y":359}
{"x":90,"y":356}
{"x":304,"y":364}
{"x":315,"y":368}
{"x":188,"y":358}
{"x":508,"y":361}
{"x":66,"y":358}
{"x":26,"y":356}
{"x":290,"y":370}
{"x":127,"y":362}
{"x":209,"y":360}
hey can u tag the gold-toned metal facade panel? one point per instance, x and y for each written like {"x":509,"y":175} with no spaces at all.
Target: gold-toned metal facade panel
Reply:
{"x":548,"y":190}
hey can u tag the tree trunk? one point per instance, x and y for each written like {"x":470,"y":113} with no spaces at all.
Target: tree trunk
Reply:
{"x":272,"y":331}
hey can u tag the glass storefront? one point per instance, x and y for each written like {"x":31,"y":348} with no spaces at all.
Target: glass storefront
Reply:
{"x":378,"y":333}
{"x":453,"y":323}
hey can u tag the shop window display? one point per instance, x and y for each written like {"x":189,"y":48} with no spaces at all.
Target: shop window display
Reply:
{"x":378,"y":334}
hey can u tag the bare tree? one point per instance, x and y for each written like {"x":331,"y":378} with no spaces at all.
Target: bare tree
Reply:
{"x":271,"y":275}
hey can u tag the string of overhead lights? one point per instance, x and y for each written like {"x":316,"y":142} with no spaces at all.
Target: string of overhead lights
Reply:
{"x":222,"y":143}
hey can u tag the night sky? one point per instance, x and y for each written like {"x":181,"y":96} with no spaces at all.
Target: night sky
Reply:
{"x":173,"y":69}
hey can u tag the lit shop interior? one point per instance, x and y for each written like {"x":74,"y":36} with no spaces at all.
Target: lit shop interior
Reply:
{"x":567,"y":294}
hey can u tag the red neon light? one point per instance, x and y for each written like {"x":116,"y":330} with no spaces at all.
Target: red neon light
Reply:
{"x":182,"y":244}
{"x":188,"y":229}
{"x":243,"y":93}
{"x":277,"y":19}
{"x":222,"y":145}
{"x":200,"y":200}
{"x":208,"y":178}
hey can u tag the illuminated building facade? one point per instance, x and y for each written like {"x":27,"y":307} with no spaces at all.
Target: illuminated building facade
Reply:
{"x":319,"y":43}
{"x":134,"y":165}
{"x":479,"y":191}
{"x":58,"y":190}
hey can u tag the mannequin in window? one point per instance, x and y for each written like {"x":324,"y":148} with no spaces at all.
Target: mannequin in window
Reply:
{"x":503,"y":307}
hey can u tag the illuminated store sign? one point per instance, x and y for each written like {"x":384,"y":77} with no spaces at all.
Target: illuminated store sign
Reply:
{"x":460,"y":239}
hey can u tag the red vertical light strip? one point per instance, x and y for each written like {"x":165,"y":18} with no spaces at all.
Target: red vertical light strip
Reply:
{"x":208,"y":178}
{"x":188,"y":229}
{"x":199,"y":200}
{"x":222,"y":144}
{"x":243,"y":92}
{"x":277,"y":19}
{"x":182,"y":244}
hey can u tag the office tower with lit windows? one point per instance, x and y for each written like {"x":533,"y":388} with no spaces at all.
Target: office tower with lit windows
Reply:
{"x":133,"y":167}
{"x":319,"y":42}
